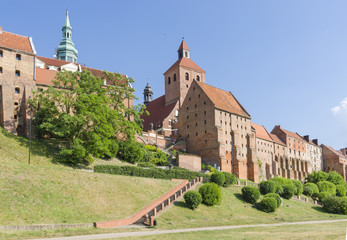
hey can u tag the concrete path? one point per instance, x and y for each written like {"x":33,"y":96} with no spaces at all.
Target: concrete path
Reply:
{"x":159,"y":232}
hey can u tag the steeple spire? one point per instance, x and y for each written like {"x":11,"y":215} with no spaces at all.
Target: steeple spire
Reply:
{"x":183,"y":50}
{"x":66,"y":50}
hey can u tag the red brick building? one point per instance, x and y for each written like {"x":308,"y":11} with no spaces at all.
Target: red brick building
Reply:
{"x":334,"y":161}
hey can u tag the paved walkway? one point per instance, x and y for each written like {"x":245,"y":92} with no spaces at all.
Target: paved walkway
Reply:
{"x":159,"y":232}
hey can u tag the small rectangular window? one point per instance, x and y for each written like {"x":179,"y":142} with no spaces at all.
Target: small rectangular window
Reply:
{"x":17,"y":90}
{"x":0,"y":69}
{"x":17,"y":73}
{"x":1,"y":54}
{"x":18,"y":57}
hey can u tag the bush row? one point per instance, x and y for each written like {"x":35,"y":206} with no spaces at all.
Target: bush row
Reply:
{"x":149,"y":173}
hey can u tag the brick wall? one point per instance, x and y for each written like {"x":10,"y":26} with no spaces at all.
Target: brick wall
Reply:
{"x":191,"y":162}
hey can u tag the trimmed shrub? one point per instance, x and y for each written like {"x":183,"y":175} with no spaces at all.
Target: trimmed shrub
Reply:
{"x":333,"y":204}
{"x":268,"y":204}
{"x":316,"y":177}
{"x":218,"y":178}
{"x":210,"y":193}
{"x":130,"y":151}
{"x":250,"y":194}
{"x":326,"y":186}
{"x":282,"y":181}
{"x":323,"y":195}
{"x":298,"y":187}
{"x":279,"y":188}
{"x":192,"y":199}
{"x":267,"y":187}
{"x":335,"y":178}
{"x":149,"y":173}
{"x":340,"y":190}
{"x":310,"y":188}
{"x":230,"y":179}
{"x":288,"y":191}
{"x":275,"y":196}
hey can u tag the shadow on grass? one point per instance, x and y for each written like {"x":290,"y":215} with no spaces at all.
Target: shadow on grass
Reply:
{"x":319,"y":209}
{"x":181,"y":204}
{"x":239,"y":197}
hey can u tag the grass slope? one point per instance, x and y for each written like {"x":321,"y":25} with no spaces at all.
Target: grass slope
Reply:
{"x":46,"y":192}
{"x":234,"y":211}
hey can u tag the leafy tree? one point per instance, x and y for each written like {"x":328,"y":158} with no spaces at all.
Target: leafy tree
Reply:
{"x":335,"y":178}
{"x":86,"y":114}
{"x":316,"y":177}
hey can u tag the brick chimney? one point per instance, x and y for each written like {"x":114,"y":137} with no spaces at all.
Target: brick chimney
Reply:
{"x":0,"y":29}
{"x":315,"y":141}
{"x":307,"y":138}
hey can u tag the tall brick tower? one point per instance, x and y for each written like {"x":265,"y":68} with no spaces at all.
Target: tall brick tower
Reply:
{"x":180,"y":76}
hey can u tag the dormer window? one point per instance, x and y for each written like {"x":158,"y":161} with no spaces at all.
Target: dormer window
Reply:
{"x":187,"y":76}
{"x":186,"y":54}
{"x":18,"y":57}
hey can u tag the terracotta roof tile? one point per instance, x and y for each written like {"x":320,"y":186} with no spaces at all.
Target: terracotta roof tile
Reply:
{"x":185,"y":62}
{"x":291,"y":134}
{"x":15,"y":41}
{"x":276,"y":139}
{"x":223,"y":100}
{"x":261,"y":132}
{"x":45,"y":76}
{"x":183,"y":46}
{"x":158,"y":112}
{"x":53,"y":61}
{"x":336,"y":152}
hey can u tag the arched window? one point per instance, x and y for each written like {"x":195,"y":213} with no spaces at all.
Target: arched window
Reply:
{"x":187,"y":76}
{"x":198,"y":78}
{"x":169,"y":80}
{"x":175,"y":77}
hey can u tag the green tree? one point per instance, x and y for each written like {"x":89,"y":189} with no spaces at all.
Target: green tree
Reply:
{"x":88,"y":115}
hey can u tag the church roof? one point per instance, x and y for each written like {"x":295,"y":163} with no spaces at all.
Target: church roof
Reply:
{"x":223,"y":100}
{"x":183,"y":46}
{"x":15,"y":41}
{"x":158,"y":112}
{"x":185,"y":62}
{"x":261,"y":132}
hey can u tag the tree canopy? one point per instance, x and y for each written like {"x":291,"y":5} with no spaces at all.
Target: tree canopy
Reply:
{"x":88,"y":114}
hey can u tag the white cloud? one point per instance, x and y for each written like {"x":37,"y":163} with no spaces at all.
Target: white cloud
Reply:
{"x":340,"y":113}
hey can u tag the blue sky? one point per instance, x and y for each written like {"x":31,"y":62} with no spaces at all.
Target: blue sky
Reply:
{"x":285,"y":61}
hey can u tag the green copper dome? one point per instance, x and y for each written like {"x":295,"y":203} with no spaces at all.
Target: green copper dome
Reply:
{"x":66,"y":50}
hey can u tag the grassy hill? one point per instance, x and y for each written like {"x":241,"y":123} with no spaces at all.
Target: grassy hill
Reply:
{"x":47,"y":192}
{"x":234,"y":211}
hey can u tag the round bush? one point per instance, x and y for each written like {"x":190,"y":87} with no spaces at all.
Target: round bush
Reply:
{"x":298,"y":187}
{"x":340,"y":190}
{"x":288,"y":191}
{"x":310,"y":188}
{"x":130,"y":151}
{"x":218,"y":178}
{"x":323,"y":195}
{"x":278,"y":185}
{"x":192,"y":199}
{"x":250,"y":194}
{"x":229,"y":179}
{"x":268,"y":204}
{"x":210,"y":194}
{"x":282,"y":180}
{"x":267,"y":187}
{"x":326,"y":186}
{"x":275,"y":196}
{"x":335,"y":178}
{"x":334,"y":204}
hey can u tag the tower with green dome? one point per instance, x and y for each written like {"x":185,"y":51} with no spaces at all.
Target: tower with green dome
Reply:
{"x":66,"y":50}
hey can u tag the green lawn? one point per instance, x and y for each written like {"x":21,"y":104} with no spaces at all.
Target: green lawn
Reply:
{"x":234,"y":211}
{"x":46,"y":192}
{"x":336,"y":231}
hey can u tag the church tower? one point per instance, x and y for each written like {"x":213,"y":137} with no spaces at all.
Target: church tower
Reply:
{"x":148,"y":94}
{"x":180,"y":76}
{"x":66,"y":50}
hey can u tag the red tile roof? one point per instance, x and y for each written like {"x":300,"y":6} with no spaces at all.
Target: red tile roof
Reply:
{"x":15,"y":41}
{"x":158,"y":112}
{"x":183,"y":46}
{"x":45,"y":76}
{"x":185,"y":62}
{"x":53,"y":61}
{"x":291,"y":134}
{"x":223,"y":100}
{"x":336,"y":152}
{"x":276,"y":139}
{"x":261,"y":132}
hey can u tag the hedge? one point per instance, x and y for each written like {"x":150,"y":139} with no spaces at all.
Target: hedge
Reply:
{"x":333,"y":204}
{"x":149,"y":173}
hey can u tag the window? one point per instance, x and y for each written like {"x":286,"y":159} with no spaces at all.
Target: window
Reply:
{"x":205,"y":131}
{"x":196,"y":124}
{"x":196,"y":115}
{"x":15,"y":116}
{"x":187,"y":76}
{"x":0,"y":69}
{"x":187,"y":117}
{"x":169,"y":80}
{"x":18,"y":57}
{"x":186,"y":54}
{"x":196,"y":106}
{"x":187,"y":86}
{"x":199,"y":96}
{"x":190,"y":99}
{"x":205,"y":113}
{"x":175,"y":77}
{"x":17,"y":90}
{"x":188,"y":136}
{"x":16,"y":103}
{"x":188,"y":126}
{"x":196,"y":134}
{"x":198,"y":78}
{"x":205,"y":141}
{"x":1,"y":54}
{"x":17,"y":73}
{"x":205,"y":122}
{"x":187,"y":108}
{"x":204,"y":102}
